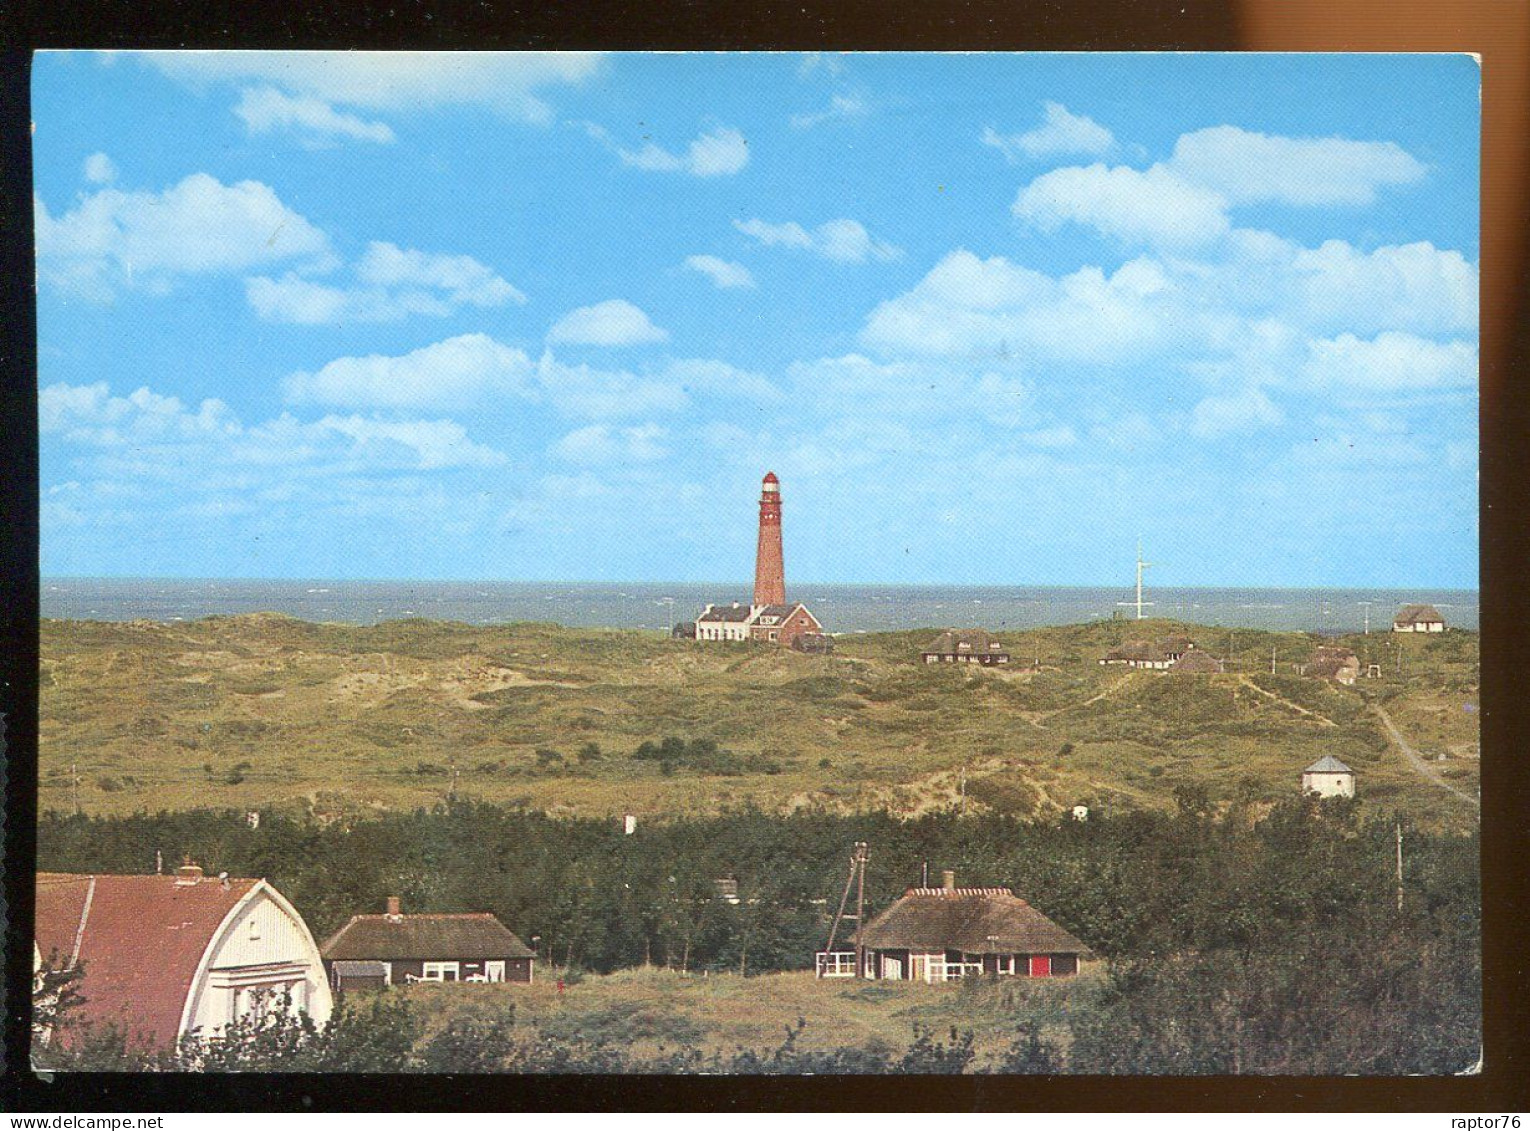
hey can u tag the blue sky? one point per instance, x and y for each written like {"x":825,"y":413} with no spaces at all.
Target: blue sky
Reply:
{"x":990,"y":317}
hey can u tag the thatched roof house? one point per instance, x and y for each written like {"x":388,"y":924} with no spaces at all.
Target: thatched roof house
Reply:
{"x":1418,"y":618}
{"x":1338,"y":664}
{"x":1159,"y":655}
{"x":965,"y":646}
{"x":1197,"y":663}
{"x":428,"y":948}
{"x":941,"y":934}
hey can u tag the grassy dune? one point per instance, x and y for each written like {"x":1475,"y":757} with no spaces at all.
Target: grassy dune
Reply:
{"x":646,"y":1010}
{"x":264,"y":709}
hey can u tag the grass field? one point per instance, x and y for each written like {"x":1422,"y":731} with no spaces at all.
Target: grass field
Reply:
{"x":267,"y":710}
{"x":646,"y":1010}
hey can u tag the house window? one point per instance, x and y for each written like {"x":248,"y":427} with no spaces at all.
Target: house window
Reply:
{"x":440,"y":972}
{"x":494,"y":971}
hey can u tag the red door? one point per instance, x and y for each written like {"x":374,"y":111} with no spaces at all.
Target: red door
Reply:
{"x":1041,"y":966}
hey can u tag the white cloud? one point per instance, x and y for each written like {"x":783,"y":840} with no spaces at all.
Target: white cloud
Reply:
{"x":1185,"y":201}
{"x":116,"y":240}
{"x":1392,"y":361}
{"x":303,"y":302}
{"x":1415,"y":285}
{"x":1153,"y":206}
{"x":1060,"y":132}
{"x":853,"y":386}
{"x":433,"y":444}
{"x":397,"y":81}
{"x":468,"y":369}
{"x":90,"y":414}
{"x":267,"y":110}
{"x":395,"y":284}
{"x":579,"y":390}
{"x":603,"y":444}
{"x":1243,"y":411}
{"x":474,"y":370}
{"x":148,"y":436}
{"x":615,"y":322}
{"x":995,"y":309}
{"x":1248,"y":167}
{"x":841,"y":107}
{"x":843,"y":240}
{"x":722,"y":272}
{"x":463,"y":278}
{"x":100,"y":169}
{"x":721,"y":151}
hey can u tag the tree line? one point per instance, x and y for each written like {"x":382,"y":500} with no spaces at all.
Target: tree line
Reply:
{"x":1237,"y":939}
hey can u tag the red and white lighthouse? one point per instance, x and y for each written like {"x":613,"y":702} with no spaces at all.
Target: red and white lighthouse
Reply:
{"x":769,"y":570}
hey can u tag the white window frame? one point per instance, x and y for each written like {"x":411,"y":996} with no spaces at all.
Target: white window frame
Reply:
{"x":494,"y":969}
{"x":436,"y":971}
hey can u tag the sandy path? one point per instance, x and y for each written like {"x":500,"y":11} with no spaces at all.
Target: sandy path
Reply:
{"x":1284,"y":702}
{"x":1416,"y":760}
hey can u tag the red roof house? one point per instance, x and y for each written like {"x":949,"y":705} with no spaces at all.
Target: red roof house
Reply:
{"x":163,"y":956}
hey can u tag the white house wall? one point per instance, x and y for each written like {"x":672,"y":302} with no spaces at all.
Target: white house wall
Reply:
{"x":261,"y":945}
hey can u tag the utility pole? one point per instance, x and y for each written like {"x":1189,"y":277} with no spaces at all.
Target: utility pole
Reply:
{"x":857,"y":880}
{"x":860,"y":908}
{"x":1272,"y":661}
{"x":964,"y":792}
{"x":74,"y":785}
{"x":1399,"y":867}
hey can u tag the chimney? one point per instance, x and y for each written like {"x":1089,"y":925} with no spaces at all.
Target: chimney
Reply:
{"x":188,"y":874}
{"x":393,"y":911}
{"x":948,"y":880}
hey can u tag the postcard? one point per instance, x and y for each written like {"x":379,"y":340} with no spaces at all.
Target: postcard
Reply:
{"x":758,"y":563}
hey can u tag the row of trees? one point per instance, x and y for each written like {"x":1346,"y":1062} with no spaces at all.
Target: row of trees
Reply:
{"x":1238,"y":941}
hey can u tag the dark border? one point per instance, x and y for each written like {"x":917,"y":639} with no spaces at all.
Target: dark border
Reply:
{"x":798,"y":25}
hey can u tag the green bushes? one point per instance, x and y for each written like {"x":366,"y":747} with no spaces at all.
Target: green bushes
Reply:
{"x":704,"y":756}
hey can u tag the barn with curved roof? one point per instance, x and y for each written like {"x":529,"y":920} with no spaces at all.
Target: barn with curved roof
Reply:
{"x":162,"y":957}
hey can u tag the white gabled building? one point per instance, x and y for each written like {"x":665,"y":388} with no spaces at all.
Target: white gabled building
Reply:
{"x":776,"y":624}
{"x":724,"y":622}
{"x":166,"y":956}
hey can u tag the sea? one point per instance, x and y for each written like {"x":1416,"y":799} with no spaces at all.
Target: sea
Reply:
{"x":656,"y":606}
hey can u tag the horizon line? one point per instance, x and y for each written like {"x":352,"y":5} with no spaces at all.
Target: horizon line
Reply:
{"x":43,"y":578}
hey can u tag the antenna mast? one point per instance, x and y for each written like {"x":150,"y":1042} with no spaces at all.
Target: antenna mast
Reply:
{"x":1139,"y":602}
{"x":1141,"y":565}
